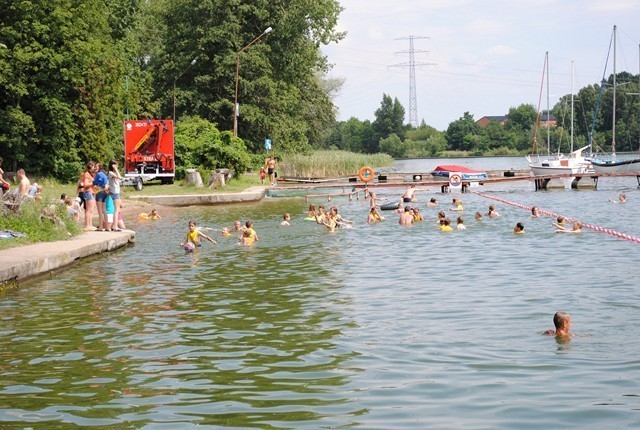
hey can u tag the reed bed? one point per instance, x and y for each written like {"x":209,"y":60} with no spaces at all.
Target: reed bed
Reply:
{"x":330,"y":164}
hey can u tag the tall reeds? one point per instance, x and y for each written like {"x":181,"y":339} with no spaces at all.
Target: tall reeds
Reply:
{"x":329,"y":164}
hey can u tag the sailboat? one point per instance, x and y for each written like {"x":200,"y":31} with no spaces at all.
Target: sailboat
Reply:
{"x":558,"y":164}
{"x":611,"y":164}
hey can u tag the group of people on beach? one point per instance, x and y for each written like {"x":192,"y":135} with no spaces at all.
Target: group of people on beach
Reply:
{"x":25,"y":188}
{"x":99,"y":189}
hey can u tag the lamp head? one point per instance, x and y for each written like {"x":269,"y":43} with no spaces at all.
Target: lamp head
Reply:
{"x":193,"y":61}
{"x":268,"y":30}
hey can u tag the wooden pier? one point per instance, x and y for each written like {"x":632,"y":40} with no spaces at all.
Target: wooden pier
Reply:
{"x":399,"y":179}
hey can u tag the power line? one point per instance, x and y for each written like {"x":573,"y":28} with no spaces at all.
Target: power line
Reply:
{"x":413,"y":100}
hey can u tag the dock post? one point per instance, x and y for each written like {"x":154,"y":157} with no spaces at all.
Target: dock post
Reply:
{"x":574,"y":183}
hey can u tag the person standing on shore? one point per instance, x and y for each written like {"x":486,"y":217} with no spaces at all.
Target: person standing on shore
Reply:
{"x":270,"y":163}
{"x":114,"y":187}
{"x":100,"y":182}
{"x":86,"y":181}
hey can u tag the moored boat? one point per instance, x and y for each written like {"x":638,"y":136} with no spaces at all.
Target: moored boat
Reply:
{"x":444,"y":170}
{"x":611,"y":164}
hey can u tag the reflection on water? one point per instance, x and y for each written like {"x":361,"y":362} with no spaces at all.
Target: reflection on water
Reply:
{"x":380,"y":326}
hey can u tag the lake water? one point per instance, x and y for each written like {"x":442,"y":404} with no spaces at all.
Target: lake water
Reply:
{"x":377,"y":327}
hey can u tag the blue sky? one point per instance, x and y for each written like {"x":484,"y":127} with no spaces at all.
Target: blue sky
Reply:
{"x":488,"y":56}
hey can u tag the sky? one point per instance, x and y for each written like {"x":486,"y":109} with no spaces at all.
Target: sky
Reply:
{"x":481,"y":57}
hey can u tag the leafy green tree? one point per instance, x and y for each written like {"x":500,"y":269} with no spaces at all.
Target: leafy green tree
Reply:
{"x":389,"y":120}
{"x":59,"y":92}
{"x":393,"y":146}
{"x":521,"y":118}
{"x":279,"y":90}
{"x":459,"y":134}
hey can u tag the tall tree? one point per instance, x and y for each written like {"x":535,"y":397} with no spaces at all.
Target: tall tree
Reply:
{"x":389,"y":120}
{"x":59,"y":92}
{"x":279,"y":91}
{"x":460,"y":132}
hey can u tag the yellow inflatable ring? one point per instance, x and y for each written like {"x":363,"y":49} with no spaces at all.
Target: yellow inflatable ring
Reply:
{"x":364,"y":178}
{"x":143,"y":216}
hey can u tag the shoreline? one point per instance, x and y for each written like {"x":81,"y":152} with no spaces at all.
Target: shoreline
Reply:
{"x":25,"y":262}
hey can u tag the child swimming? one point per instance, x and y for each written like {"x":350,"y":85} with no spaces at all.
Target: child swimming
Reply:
{"x":193,"y":238}
{"x":562,"y":322}
{"x":286,"y":219}
{"x":519,"y":228}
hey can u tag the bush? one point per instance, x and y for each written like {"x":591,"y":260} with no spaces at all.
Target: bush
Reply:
{"x":200,"y":145}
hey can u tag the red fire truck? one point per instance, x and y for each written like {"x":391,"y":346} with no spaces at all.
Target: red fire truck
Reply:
{"x":149,"y":152}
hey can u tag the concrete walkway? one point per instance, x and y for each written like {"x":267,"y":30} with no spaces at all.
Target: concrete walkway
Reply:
{"x":251,"y":194}
{"x":24,"y":262}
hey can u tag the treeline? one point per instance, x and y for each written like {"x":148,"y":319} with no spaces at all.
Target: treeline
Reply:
{"x":72,"y":70}
{"x":387,"y":133}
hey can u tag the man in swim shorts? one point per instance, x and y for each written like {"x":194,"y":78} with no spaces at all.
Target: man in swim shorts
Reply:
{"x":407,"y":197}
{"x":271,"y":169}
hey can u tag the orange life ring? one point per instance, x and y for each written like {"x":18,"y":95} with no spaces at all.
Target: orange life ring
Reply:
{"x":364,"y":178}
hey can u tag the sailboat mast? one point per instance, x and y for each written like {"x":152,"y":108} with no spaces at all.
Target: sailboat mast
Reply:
{"x":572,"y":74}
{"x":548,"y":132}
{"x":613,"y":137}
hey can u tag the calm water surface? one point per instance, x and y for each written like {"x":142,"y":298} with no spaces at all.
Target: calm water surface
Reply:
{"x":376,"y":327}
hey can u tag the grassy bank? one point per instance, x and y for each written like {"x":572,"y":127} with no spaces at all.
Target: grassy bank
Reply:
{"x":53,"y":189}
{"x":330,"y":164}
{"x":29,"y":220}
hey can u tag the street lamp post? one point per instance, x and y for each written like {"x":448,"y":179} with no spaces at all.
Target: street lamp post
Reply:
{"x":174,"y":86}
{"x":236,"y":112}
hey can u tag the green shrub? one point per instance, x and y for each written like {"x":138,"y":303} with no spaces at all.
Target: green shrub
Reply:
{"x":200,"y":145}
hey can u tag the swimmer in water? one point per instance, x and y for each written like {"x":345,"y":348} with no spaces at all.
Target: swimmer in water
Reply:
{"x":286,"y":219}
{"x":493,"y":213}
{"x":194,"y":235}
{"x":374,"y":216}
{"x":576,"y":228}
{"x":562,"y":322}
{"x":622,"y":198}
{"x":446,"y":225}
{"x":519,"y":228}
{"x":246,"y":239}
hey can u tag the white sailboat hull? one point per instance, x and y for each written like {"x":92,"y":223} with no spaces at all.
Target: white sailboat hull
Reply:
{"x":622,"y":166}
{"x":571,"y":164}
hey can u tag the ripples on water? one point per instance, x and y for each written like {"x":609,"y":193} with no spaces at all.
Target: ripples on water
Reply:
{"x":378,"y":326}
